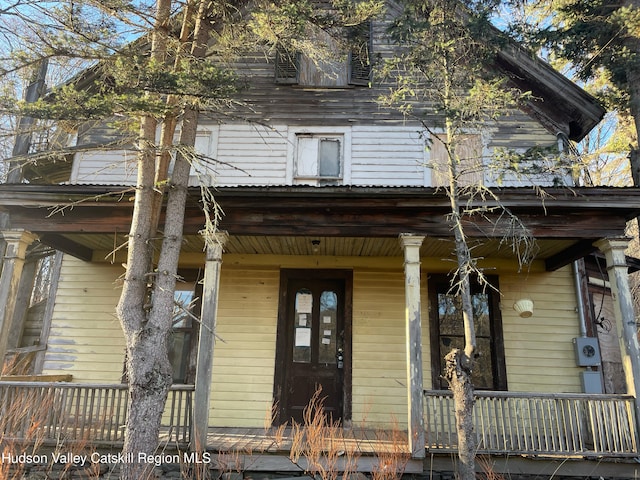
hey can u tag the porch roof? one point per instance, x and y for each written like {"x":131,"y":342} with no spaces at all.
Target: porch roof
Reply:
{"x":349,"y":220}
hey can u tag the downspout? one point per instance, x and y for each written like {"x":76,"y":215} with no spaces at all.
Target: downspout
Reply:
{"x":564,"y":147}
{"x":587,"y":349}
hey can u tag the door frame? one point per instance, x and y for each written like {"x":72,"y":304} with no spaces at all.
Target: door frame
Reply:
{"x":279,"y":382}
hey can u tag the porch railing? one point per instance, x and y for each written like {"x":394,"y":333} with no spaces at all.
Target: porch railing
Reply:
{"x":538,"y":424}
{"x":50,"y":412}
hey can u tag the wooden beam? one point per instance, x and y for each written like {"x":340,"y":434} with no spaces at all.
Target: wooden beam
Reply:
{"x":568,"y":255}
{"x":206,"y":341}
{"x":65,"y":245}
{"x":336,"y":211}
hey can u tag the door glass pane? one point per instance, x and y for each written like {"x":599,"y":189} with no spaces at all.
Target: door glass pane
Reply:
{"x":302,"y":326}
{"x":328,"y":322}
{"x":329,"y":157}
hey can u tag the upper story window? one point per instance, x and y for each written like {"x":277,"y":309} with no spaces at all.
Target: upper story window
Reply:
{"x":319,"y":159}
{"x":469,"y":150}
{"x":339,"y":70}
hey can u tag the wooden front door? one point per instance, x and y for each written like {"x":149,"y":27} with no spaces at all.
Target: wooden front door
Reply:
{"x":314,"y":343}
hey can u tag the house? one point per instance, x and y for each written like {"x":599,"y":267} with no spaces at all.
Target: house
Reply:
{"x":332,"y":268}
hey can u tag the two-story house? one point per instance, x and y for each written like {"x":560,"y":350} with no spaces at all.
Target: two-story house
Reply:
{"x":331,"y":212}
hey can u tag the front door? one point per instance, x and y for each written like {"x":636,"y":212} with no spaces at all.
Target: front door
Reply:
{"x":314,"y":343}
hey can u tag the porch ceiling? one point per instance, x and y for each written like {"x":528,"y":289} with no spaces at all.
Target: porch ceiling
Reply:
{"x":103,"y":244}
{"x":349,"y":221}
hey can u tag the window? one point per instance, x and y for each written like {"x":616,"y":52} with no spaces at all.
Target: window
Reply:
{"x":469,"y":151}
{"x":319,"y":159}
{"x":183,"y":332}
{"x":447,"y":332}
{"x":360,"y":54}
{"x":183,"y":339}
{"x":294,"y":68}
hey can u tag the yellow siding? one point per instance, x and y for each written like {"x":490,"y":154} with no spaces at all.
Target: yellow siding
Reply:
{"x":539,"y":350}
{"x":86,"y":340}
{"x":244,"y":356}
{"x":379,"y":348}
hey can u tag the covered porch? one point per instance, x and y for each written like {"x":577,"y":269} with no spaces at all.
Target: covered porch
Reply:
{"x":568,"y":425}
{"x":348,"y":223}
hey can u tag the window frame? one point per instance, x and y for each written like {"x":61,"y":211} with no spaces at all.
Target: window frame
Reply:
{"x":343,"y":134}
{"x":440,"y":283}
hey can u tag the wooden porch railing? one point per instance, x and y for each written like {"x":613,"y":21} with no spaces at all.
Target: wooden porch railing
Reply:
{"x":51,"y":412}
{"x":538,"y":424}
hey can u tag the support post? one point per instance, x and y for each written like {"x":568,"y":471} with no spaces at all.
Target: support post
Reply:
{"x":206,"y":340}
{"x":17,"y":242}
{"x":627,"y":330}
{"x":415,"y":386}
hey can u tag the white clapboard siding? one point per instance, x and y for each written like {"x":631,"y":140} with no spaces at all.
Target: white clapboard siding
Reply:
{"x":114,"y":167}
{"x":387,"y":156}
{"x":251,"y":155}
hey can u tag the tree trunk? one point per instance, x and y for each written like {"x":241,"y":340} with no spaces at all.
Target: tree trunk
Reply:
{"x":458,"y":364}
{"x":147,"y":300}
{"x":459,"y":378}
{"x":632,"y":42}
{"x":148,"y":369}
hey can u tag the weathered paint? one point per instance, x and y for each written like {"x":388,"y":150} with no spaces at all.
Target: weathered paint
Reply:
{"x":626,"y":324}
{"x":388,"y":155}
{"x":86,"y":339}
{"x":415,"y":421}
{"x":17,"y":242}
{"x":206,"y":339}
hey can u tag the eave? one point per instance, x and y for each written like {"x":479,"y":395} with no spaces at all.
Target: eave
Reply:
{"x":558,"y":103}
{"x":84,"y":219}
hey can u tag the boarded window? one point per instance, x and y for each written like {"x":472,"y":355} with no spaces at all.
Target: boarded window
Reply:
{"x":468,"y":151}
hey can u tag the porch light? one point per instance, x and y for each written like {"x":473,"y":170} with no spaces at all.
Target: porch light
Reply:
{"x":524,"y":307}
{"x":315,"y":245}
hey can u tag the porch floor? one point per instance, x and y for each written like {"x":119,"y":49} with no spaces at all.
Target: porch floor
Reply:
{"x":257,"y":440}
{"x":364,"y":450}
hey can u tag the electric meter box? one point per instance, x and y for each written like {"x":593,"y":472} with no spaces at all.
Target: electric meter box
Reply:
{"x":587,"y":351}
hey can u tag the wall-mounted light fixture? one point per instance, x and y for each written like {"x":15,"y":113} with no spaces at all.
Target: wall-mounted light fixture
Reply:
{"x":315,"y":245}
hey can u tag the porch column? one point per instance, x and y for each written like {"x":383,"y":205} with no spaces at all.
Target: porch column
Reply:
{"x":415,"y":387}
{"x":206,"y":339}
{"x":627,"y":330}
{"x":17,"y":242}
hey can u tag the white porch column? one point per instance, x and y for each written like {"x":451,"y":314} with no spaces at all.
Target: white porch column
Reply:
{"x":17,"y":242}
{"x":627,"y":330}
{"x":206,"y":340}
{"x":415,"y":386}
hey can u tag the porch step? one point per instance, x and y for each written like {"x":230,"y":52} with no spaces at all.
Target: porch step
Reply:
{"x":363,"y":464}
